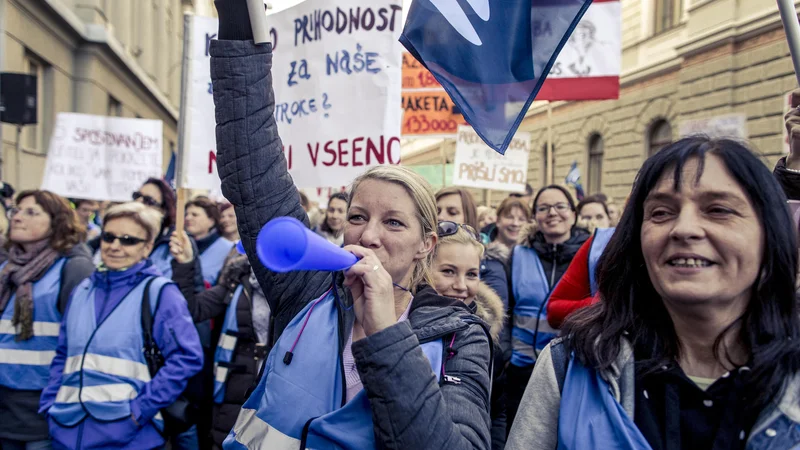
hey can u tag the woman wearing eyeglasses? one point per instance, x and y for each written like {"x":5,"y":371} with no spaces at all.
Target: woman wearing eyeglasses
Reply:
{"x":537,"y":265}
{"x":101,"y":393}
{"x":457,"y":270}
{"x":45,"y":262}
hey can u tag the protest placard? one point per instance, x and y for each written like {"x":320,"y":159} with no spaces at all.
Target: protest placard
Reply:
{"x":477,"y":165}
{"x":336,"y":76}
{"x":428,"y":110}
{"x":731,"y":126}
{"x":102,"y":158}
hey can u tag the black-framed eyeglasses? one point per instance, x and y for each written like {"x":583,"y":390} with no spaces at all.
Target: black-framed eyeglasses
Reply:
{"x":449,"y":228}
{"x":127,"y":241}
{"x":146,"y":199}
{"x":559,"y":207}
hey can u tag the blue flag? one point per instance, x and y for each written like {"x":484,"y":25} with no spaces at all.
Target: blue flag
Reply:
{"x":491,"y":56}
{"x":573,"y":179}
{"x":169,"y":177}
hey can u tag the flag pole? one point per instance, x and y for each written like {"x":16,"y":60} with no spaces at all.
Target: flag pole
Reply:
{"x":444,"y":165}
{"x":182,"y":126}
{"x":792,"y":28}
{"x":549,"y":162}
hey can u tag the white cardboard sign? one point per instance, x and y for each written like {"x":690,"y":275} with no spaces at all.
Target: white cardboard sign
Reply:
{"x":479,"y":166}
{"x":102,"y":158}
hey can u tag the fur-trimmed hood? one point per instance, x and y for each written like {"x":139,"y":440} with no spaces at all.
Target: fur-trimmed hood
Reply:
{"x":489,"y":307}
{"x":497,"y":251}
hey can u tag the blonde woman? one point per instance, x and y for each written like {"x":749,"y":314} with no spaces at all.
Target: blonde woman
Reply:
{"x":359,"y":354}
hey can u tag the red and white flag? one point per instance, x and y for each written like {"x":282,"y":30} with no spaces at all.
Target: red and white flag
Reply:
{"x":589,"y":64}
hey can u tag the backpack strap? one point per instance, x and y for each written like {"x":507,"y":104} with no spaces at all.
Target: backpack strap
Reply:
{"x":152,"y":354}
{"x":560,"y":357}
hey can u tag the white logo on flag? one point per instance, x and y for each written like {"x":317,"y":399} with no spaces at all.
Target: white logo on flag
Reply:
{"x":459,"y":20}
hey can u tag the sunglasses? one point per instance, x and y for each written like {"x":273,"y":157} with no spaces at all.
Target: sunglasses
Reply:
{"x":127,"y":241}
{"x":449,"y":228}
{"x":146,"y":199}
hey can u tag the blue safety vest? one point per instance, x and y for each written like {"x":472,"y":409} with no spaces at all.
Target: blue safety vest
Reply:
{"x":162,"y":259}
{"x":25,"y":365}
{"x":590,"y":417}
{"x":599,"y":242}
{"x":213,"y":259}
{"x":105,"y":367}
{"x":531,"y":332}
{"x":302,"y":402}
{"x":225,"y":347}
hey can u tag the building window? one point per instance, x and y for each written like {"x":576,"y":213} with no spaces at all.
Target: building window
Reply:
{"x":33,"y":136}
{"x":660,"y":136}
{"x":114,"y":107}
{"x":596,"y":148}
{"x":667,"y":14}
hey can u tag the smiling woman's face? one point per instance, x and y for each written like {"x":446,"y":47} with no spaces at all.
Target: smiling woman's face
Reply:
{"x":456,"y":271}
{"x":704,"y":243}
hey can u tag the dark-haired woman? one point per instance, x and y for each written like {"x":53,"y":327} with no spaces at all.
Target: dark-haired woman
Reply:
{"x":537,"y":265}
{"x":695,"y":343}
{"x":46,"y":260}
{"x":202,"y":223}
{"x":332,"y":227}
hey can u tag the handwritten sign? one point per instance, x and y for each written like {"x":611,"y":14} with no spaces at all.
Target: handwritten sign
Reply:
{"x":478,"y":166}
{"x":731,"y":126}
{"x":102,"y":158}
{"x":427,"y":109}
{"x":336,"y":76}
{"x":429,"y":113}
{"x":416,"y":76}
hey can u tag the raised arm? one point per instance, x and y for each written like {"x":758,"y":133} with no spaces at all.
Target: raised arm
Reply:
{"x":250,"y":159}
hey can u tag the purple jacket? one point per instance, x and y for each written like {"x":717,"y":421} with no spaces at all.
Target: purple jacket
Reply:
{"x":176,"y":336}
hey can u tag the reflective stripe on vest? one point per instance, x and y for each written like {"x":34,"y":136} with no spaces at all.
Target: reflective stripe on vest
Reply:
{"x":226,"y":347}
{"x":105,"y":367}
{"x":25,"y":365}
{"x":162,"y":259}
{"x":308,"y":393}
{"x":599,"y":242}
{"x":213,"y":258}
{"x":531,"y":331}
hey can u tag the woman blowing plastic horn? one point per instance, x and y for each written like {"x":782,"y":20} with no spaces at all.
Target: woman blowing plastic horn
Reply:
{"x":361,"y":356}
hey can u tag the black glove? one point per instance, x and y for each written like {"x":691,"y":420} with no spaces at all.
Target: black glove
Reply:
{"x":234,"y":273}
{"x":234,"y":20}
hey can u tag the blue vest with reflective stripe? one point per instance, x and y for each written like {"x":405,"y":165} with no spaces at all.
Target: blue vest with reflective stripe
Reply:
{"x":226,"y":346}
{"x":308,"y":393}
{"x":213,"y":259}
{"x":530,"y":332}
{"x":586,"y":399}
{"x":162,"y":259}
{"x":105,"y":367}
{"x":599,"y":242}
{"x":25,"y":365}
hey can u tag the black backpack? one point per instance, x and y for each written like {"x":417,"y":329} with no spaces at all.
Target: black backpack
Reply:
{"x":181,"y":415}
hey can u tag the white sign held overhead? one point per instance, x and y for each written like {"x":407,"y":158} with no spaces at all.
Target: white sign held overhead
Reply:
{"x":102,"y":158}
{"x":336,"y":77}
{"x":479,"y":166}
{"x":730,"y":126}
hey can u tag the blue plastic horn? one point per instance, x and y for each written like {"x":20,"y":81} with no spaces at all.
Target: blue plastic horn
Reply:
{"x":285,"y":244}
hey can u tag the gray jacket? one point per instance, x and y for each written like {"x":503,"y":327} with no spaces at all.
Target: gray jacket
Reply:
{"x":408,"y":411}
{"x":536,"y":424}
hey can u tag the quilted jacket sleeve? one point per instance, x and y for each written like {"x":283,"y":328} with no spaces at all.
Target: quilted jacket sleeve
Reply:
{"x":252,"y":167}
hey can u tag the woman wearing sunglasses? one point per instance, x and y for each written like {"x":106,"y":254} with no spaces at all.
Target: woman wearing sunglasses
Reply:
{"x":371,"y":357}
{"x":101,"y":393}
{"x":457,"y":274}
{"x":537,"y":265}
{"x":45,"y":262}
